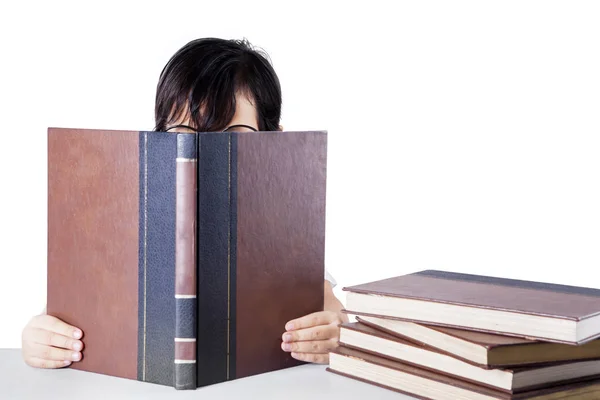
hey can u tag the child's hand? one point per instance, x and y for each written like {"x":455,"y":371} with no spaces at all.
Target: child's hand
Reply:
{"x":48,"y":342}
{"x":312,"y":337}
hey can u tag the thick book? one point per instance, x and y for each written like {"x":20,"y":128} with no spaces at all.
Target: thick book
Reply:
{"x":515,"y":380}
{"x":181,"y":256}
{"x":533,"y":310}
{"x":485,"y":349}
{"x":424,"y":384}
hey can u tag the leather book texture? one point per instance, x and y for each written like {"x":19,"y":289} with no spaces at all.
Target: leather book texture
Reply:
{"x":418,"y":382}
{"x":448,"y":365}
{"x":571,"y":304}
{"x":501,"y":351}
{"x":261,"y":215}
{"x":93,"y":204}
{"x":111,"y":248}
{"x":185,"y":261}
{"x":181,"y":256}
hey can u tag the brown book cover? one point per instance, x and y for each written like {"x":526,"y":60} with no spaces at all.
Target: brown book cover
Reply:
{"x":424,"y":384}
{"x":534,"y":310}
{"x":364,"y":338}
{"x":181,"y":256}
{"x":485,"y":349}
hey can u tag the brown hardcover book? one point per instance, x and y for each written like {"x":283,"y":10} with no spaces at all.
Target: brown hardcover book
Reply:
{"x":365,"y":338}
{"x":181,"y":256}
{"x":424,"y":384}
{"x":485,"y":349}
{"x":534,"y":310}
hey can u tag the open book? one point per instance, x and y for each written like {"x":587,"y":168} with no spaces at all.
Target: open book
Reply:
{"x":181,"y":256}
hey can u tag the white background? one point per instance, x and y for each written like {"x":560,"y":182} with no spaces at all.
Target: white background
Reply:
{"x":463,"y":135}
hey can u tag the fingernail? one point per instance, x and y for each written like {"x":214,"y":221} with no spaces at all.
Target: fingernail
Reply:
{"x":287,"y":346}
{"x":77,"y":346}
{"x":77,"y":334}
{"x":66,"y":362}
{"x":289,"y":326}
{"x":75,"y":356}
{"x":287,"y":337}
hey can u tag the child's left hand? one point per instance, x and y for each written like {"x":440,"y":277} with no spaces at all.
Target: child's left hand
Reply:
{"x":312,"y":337}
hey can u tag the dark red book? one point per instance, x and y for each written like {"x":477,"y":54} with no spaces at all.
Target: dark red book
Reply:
{"x":511,"y":380}
{"x":533,"y":310}
{"x":428,"y":385}
{"x":182,"y":255}
{"x":485,"y":349}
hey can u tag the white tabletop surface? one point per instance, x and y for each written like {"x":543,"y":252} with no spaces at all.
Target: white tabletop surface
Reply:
{"x":19,"y":381}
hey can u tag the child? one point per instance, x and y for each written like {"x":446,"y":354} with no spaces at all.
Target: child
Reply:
{"x":209,"y":85}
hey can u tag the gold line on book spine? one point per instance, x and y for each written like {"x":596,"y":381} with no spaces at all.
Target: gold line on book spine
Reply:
{"x":229,"y":255}
{"x":145,"y":241}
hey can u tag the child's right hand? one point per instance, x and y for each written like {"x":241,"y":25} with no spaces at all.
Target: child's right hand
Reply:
{"x":48,"y":342}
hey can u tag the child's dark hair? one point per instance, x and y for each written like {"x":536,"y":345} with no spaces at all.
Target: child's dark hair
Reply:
{"x":202,"y":79}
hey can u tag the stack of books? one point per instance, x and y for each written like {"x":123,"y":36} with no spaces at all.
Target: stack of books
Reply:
{"x":443,"y":335}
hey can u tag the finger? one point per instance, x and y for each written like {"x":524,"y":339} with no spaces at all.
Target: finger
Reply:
{"x":320,"y":346}
{"x":312,"y":358}
{"x":41,"y":363}
{"x":322,"y":332}
{"x":48,"y":338}
{"x":314,"y":319}
{"x":53,"y":324}
{"x":52,"y":353}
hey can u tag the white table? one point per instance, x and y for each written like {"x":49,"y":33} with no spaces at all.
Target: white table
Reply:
{"x":307,"y":382}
